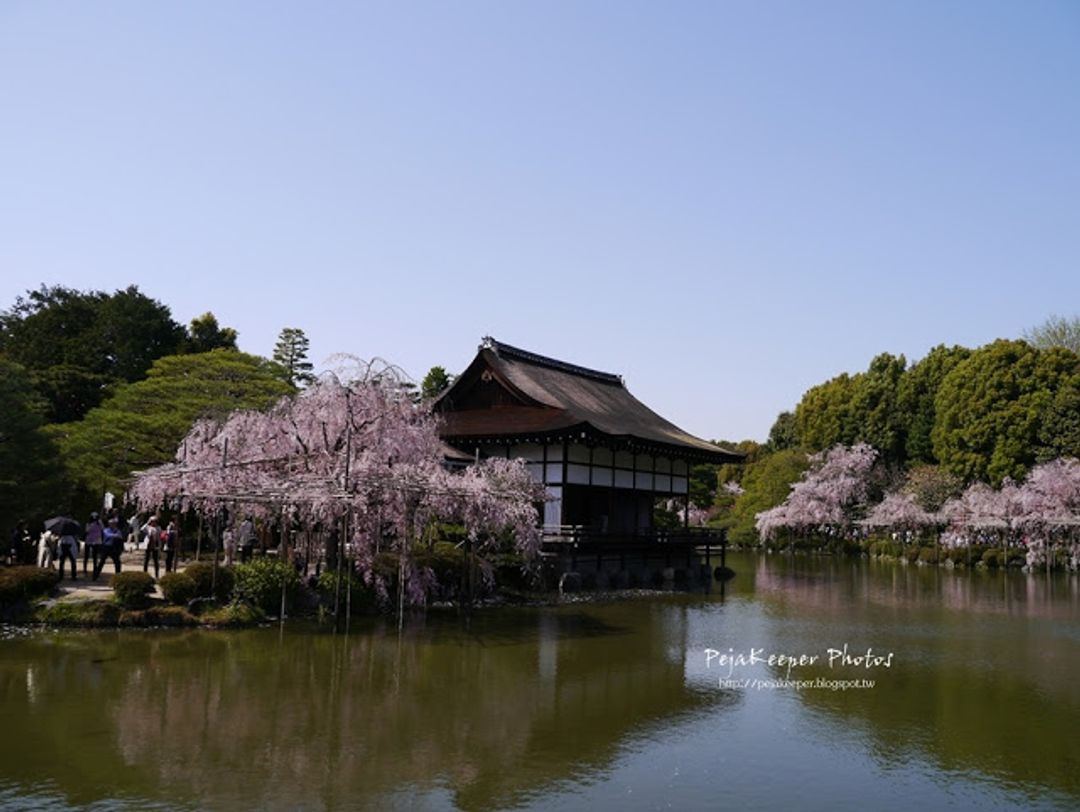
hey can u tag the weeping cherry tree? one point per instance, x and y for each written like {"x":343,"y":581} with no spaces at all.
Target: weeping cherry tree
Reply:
{"x":357,"y":456}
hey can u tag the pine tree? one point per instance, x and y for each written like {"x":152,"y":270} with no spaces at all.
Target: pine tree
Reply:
{"x":290,"y":353}
{"x":435,"y":382}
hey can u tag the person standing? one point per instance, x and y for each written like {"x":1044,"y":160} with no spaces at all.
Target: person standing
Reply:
{"x":92,"y":549}
{"x":27,"y":547}
{"x":46,"y":549}
{"x":228,"y":540}
{"x":112,"y":545}
{"x":170,"y":539}
{"x":153,"y":545}
{"x":69,"y":547}
{"x":247,"y":539}
{"x":135,"y":531}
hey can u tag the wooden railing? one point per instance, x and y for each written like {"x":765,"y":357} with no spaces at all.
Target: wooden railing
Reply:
{"x":578,"y":535}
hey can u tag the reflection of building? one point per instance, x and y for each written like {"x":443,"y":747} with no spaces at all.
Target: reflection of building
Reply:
{"x":605,"y":457}
{"x":512,"y":706}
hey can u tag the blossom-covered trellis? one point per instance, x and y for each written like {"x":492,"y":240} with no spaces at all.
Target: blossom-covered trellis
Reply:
{"x":359,"y":456}
{"x":900,"y":511}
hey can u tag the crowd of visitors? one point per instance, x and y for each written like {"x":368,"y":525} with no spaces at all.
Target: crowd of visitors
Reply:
{"x":104,"y":539}
{"x":101,"y":541}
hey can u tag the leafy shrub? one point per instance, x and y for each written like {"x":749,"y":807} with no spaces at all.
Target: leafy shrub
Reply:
{"x":259,"y":582}
{"x":511,"y":572}
{"x":386,"y":565}
{"x":178,"y":588}
{"x":157,"y":616}
{"x":206,"y":586}
{"x":19,"y":584}
{"x":363,"y":597}
{"x":928,"y":555}
{"x":234,"y":614}
{"x":992,"y":558}
{"x":446,"y":559}
{"x":912,"y":554}
{"x":132,"y":589}
{"x":92,"y":613}
{"x":885,"y":547}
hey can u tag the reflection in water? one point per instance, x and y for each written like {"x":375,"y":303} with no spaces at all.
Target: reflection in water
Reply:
{"x":491,"y":713}
{"x":598,"y":706}
{"x":985,"y":674}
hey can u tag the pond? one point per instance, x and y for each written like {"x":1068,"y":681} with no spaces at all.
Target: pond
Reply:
{"x":654,"y":703}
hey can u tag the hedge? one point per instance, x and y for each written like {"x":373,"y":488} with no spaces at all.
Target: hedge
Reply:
{"x":132,"y":590}
{"x":18,"y":584}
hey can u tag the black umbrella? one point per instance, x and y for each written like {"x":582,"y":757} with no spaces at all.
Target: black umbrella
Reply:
{"x":63,"y":526}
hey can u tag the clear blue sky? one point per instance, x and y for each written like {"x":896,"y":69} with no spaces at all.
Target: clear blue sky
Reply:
{"x":725,"y":202}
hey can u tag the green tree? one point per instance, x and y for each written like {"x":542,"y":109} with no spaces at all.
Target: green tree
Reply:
{"x":915,"y":399}
{"x":853,"y":409}
{"x":29,"y":473}
{"x":142,"y":423}
{"x":435,"y":383}
{"x":784,"y":433}
{"x":825,"y":416}
{"x":702,"y":485}
{"x":205,"y":334}
{"x":1056,"y":331}
{"x":991,"y":408}
{"x":290,"y":353}
{"x":766,"y":483}
{"x":1059,"y":434}
{"x":77,"y":344}
{"x":875,"y":417}
{"x":751,"y":450}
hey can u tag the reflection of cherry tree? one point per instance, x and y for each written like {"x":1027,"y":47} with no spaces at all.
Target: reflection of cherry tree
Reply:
{"x":827,"y":497}
{"x":359,"y":455}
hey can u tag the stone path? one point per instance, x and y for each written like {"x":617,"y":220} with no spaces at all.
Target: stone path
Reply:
{"x":83,"y":588}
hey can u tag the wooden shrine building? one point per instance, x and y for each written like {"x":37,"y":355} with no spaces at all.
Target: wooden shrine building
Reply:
{"x":604,"y":457}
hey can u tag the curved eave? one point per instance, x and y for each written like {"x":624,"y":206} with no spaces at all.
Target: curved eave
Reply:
{"x":583,"y":432}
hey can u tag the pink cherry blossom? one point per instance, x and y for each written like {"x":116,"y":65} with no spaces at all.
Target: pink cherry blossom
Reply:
{"x":360,"y":452}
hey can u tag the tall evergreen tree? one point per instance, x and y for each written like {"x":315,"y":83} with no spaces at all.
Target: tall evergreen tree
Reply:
{"x":435,"y":382}
{"x":290,"y":353}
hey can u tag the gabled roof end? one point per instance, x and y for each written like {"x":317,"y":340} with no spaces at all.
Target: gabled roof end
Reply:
{"x":517,"y":354}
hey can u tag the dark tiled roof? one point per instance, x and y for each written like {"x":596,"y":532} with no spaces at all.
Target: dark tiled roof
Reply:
{"x":553,"y":396}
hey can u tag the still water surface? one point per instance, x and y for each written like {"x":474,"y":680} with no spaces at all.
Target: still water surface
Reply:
{"x":599,"y":706}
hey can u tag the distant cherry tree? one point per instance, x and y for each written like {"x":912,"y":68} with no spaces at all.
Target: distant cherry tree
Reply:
{"x":828,"y":495}
{"x":900,"y":511}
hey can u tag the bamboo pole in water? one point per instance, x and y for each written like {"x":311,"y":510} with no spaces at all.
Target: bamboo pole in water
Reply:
{"x":283,"y":554}
{"x":217,"y":526}
{"x":348,"y":596}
